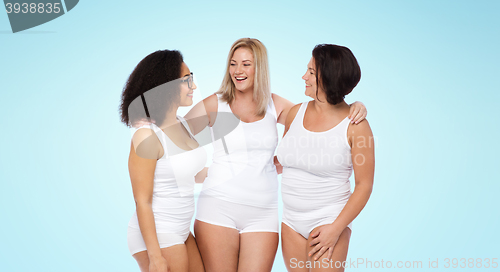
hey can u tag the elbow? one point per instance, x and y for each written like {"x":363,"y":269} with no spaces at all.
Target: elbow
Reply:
{"x":366,"y":187}
{"x":143,"y":203}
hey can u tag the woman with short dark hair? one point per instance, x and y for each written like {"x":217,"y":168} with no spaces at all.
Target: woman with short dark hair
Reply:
{"x":319,"y":151}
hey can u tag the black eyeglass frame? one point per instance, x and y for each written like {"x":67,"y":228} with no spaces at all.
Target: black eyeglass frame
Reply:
{"x":189,"y":80}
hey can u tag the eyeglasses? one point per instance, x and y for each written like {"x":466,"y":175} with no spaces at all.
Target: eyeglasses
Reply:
{"x":189,"y":81}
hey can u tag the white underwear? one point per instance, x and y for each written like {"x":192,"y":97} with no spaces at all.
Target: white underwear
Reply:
{"x":244,"y":218}
{"x":136,"y":242}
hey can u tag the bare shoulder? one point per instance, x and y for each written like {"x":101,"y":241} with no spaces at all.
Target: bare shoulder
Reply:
{"x":292,"y":113}
{"x":207,"y":105}
{"x":199,"y":116}
{"x":360,"y":129}
{"x":290,"y":116}
{"x":276,"y":97}
{"x":143,"y":134}
{"x":294,"y":110}
{"x":211,"y":98}
{"x":211,"y":103}
{"x":146,"y":144}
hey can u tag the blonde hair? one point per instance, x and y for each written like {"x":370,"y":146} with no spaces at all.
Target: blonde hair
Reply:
{"x":261,"y":84}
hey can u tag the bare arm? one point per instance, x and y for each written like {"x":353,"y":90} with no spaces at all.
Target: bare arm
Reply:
{"x":141,"y":169}
{"x":363,"y":164}
{"x":202,"y":114}
{"x":363,"y":160}
{"x":290,"y":116}
{"x":357,"y":111}
{"x":282,"y":106}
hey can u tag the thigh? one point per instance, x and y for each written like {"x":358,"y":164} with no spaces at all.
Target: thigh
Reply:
{"x":218,"y":246}
{"x":339,"y":254}
{"x":293,"y":246}
{"x":142,"y":260}
{"x":195,"y":261}
{"x":176,"y":256}
{"x":257,"y":251}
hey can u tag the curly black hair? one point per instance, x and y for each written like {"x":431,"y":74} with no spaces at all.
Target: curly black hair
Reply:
{"x":154,"y":70}
{"x":338,"y":71}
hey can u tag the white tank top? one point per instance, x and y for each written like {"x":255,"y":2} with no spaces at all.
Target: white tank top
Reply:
{"x":316,"y":165}
{"x":243,"y":170}
{"x":173,"y":189}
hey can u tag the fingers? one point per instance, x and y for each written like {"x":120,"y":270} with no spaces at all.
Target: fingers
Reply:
{"x":314,"y":250}
{"x":357,"y":112}
{"x":314,"y":234}
{"x":359,"y":117}
{"x":330,"y":253}
{"x":353,"y":111}
{"x":315,"y":241}
{"x":279,"y":169}
{"x":320,"y":253}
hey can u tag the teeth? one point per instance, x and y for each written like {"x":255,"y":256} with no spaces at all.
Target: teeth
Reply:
{"x":240,"y":78}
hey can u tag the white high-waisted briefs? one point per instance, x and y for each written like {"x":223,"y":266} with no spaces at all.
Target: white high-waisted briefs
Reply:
{"x":304,"y":222}
{"x":244,"y":218}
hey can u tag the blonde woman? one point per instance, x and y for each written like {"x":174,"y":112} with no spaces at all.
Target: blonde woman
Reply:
{"x":237,"y":220}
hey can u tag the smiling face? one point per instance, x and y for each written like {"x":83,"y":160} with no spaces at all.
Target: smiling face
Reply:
{"x":242,"y":69}
{"x":186,"y":93}
{"x":310,"y":79}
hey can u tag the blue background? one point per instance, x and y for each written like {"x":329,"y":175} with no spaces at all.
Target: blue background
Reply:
{"x":430,"y":77}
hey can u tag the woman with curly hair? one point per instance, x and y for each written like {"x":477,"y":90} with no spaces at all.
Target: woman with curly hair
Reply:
{"x":164,"y":159}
